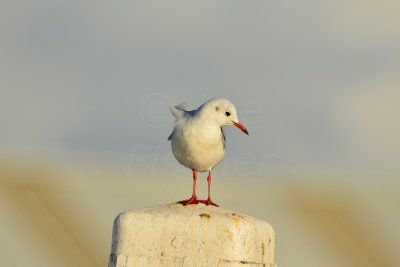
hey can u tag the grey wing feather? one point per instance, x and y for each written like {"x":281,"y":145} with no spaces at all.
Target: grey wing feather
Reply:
{"x":222,"y":136}
{"x":170,"y":136}
{"x":179,"y":110}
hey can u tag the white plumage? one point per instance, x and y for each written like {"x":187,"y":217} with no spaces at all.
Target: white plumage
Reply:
{"x":198,"y":140}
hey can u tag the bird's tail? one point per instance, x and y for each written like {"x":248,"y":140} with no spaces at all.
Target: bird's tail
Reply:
{"x":179,"y":110}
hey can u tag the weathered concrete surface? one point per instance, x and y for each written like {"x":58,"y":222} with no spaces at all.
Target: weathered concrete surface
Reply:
{"x":195,"y":235}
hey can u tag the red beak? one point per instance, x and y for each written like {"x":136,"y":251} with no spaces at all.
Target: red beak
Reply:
{"x":241,"y":127}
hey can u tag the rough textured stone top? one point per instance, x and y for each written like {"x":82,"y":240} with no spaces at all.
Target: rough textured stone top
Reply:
{"x":194,"y":235}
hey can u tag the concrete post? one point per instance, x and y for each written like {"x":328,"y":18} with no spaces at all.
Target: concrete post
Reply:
{"x":195,"y":235}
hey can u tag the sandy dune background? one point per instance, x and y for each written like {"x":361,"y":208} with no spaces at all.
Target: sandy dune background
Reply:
{"x":63,"y":216}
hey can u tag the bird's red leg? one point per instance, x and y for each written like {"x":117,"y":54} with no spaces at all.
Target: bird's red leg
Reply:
{"x":208,"y":201}
{"x":193,"y":199}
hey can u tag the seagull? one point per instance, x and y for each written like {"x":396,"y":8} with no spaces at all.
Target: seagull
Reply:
{"x":198,"y":139}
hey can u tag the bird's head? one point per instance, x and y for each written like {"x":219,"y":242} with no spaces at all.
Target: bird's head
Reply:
{"x":224,"y":112}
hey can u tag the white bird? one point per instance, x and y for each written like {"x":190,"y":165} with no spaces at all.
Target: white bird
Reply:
{"x":198,"y":139}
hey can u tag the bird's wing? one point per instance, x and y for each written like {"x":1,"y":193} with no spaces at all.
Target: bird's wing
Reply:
{"x":170,"y":136}
{"x":222,"y":136}
{"x":179,"y":110}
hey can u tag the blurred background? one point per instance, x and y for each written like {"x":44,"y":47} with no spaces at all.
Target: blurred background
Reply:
{"x":84,"y":121}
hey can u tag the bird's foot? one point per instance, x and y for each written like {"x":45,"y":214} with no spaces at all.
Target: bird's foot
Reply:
{"x":208,"y":202}
{"x":190,"y":201}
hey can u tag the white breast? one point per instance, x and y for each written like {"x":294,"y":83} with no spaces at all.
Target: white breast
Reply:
{"x":199,"y":146}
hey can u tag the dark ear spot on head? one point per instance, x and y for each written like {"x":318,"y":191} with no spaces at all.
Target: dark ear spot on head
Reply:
{"x":216,"y":108}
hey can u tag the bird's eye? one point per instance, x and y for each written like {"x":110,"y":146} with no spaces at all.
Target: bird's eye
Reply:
{"x":227,"y":113}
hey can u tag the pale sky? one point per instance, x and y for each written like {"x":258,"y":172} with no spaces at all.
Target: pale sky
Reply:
{"x":317,"y":84}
